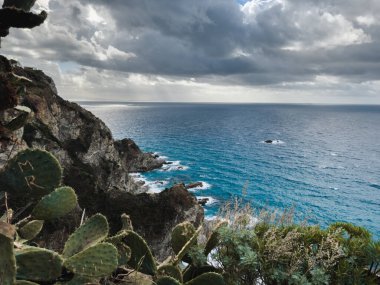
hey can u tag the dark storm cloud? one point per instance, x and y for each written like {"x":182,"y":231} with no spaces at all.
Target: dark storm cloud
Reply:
{"x":263,"y":42}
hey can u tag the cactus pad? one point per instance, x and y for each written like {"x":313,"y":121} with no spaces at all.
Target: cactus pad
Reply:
{"x":166,"y":280}
{"x":93,"y":231}
{"x":124,"y":251}
{"x":171,"y":271}
{"x":192,"y":272}
{"x":97,"y":261}
{"x":193,"y":240}
{"x":38,"y":264}
{"x":30,"y":175}
{"x":213,"y":240}
{"x":25,"y":5}
{"x":55,"y":205}
{"x":141,"y":258}
{"x":181,"y":234}
{"x":31,"y":229}
{"x":126,"y":223}
{"x":7,"y":259}
{"x":79,"y":280}
{"x":207,"y":279}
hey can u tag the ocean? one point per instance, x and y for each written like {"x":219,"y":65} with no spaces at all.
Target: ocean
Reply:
{"x":324,"y":162}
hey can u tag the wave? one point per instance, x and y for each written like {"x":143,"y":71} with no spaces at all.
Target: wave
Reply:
{"x":155,"y":186}
{"x":173,"y":166}
{"x":273,"y":142}
{"x":159,"y":156}
{"x":204,"y":186}
{"x":331,"y":167}
{"x":210,"y":201}
{"x":376,"y":186}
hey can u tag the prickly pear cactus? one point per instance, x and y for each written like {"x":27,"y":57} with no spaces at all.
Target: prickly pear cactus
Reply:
{"x":126,"y":223}
{"x":38,"y":264}
{"x":99,"y":260}
{"x":207,"y":279}
{"x":93,"y":231}
{"x":185,"y":249}
{"x":25,"y":5}
{"x":124,"y":251}
{"x":167,"y":280}
{"x":213,"y":240}
{"x":56,"y":204}
{"x":18,"y":122}
{"x":7,"y":259}
{"x":80,"y":280}
{"x":141,"y":257}
{"x":24,"y":282}
{"x":171,"y":271}
{"x":29,"y":176}
{"x":181,"y":234}
{"x":31,"y":229}
{"x":192,"y":271}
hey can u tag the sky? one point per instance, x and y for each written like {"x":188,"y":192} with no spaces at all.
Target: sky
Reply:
{"x":264,"y":51}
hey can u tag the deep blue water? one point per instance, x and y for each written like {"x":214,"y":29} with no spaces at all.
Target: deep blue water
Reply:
{"x":327,"y":164}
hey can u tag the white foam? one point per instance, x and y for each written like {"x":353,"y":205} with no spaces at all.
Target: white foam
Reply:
{"x":204,"y":186}
{"x":155,"y":186}
{"x":331,"y":167}
{"x":211,"y":218}
{"x":163,"y":157}
{"x":274,"y":142}
{"x":210,"y":201}
{"x":173,"y":166}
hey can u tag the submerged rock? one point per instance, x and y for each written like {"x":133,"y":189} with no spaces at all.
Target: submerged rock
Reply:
{"x":194,"y":185}
{"x":203,"y":201}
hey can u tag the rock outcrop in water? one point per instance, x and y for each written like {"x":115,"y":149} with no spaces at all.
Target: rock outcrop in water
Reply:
{"x":94,"y":163}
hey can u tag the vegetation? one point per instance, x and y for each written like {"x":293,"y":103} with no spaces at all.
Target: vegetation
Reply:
{"x":236,"y":249}
{"x":32,"y":180}
{"x":275,"y":250}
{"x":16,"y":14}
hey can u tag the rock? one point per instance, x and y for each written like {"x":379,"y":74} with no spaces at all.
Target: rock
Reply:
{"x":203,"y":201}
{"x":154,"y":215}
{"x":194,"y":185}
{"x":95,"y":165}
{"x":134,"y":159}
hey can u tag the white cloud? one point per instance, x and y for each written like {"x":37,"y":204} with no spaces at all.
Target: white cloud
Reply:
{"x":207,"y":50}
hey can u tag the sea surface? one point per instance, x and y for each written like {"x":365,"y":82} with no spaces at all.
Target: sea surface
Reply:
{"x":325,"y":161}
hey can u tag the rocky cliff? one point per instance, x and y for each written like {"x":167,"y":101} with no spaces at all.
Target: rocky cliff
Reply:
{"x":94,"y":163}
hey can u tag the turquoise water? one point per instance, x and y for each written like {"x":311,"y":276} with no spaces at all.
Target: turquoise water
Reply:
{"x":326,"y":162}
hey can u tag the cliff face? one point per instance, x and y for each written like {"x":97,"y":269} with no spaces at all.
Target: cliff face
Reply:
{"x":95,"y":165}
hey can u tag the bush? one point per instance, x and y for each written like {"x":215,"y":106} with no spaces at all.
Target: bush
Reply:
{"x":277,"y":251}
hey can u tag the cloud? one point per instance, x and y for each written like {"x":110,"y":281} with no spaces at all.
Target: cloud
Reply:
{"x":247,"y":44}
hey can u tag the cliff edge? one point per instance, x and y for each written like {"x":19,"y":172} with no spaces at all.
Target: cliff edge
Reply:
{"x":95,"y":165}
